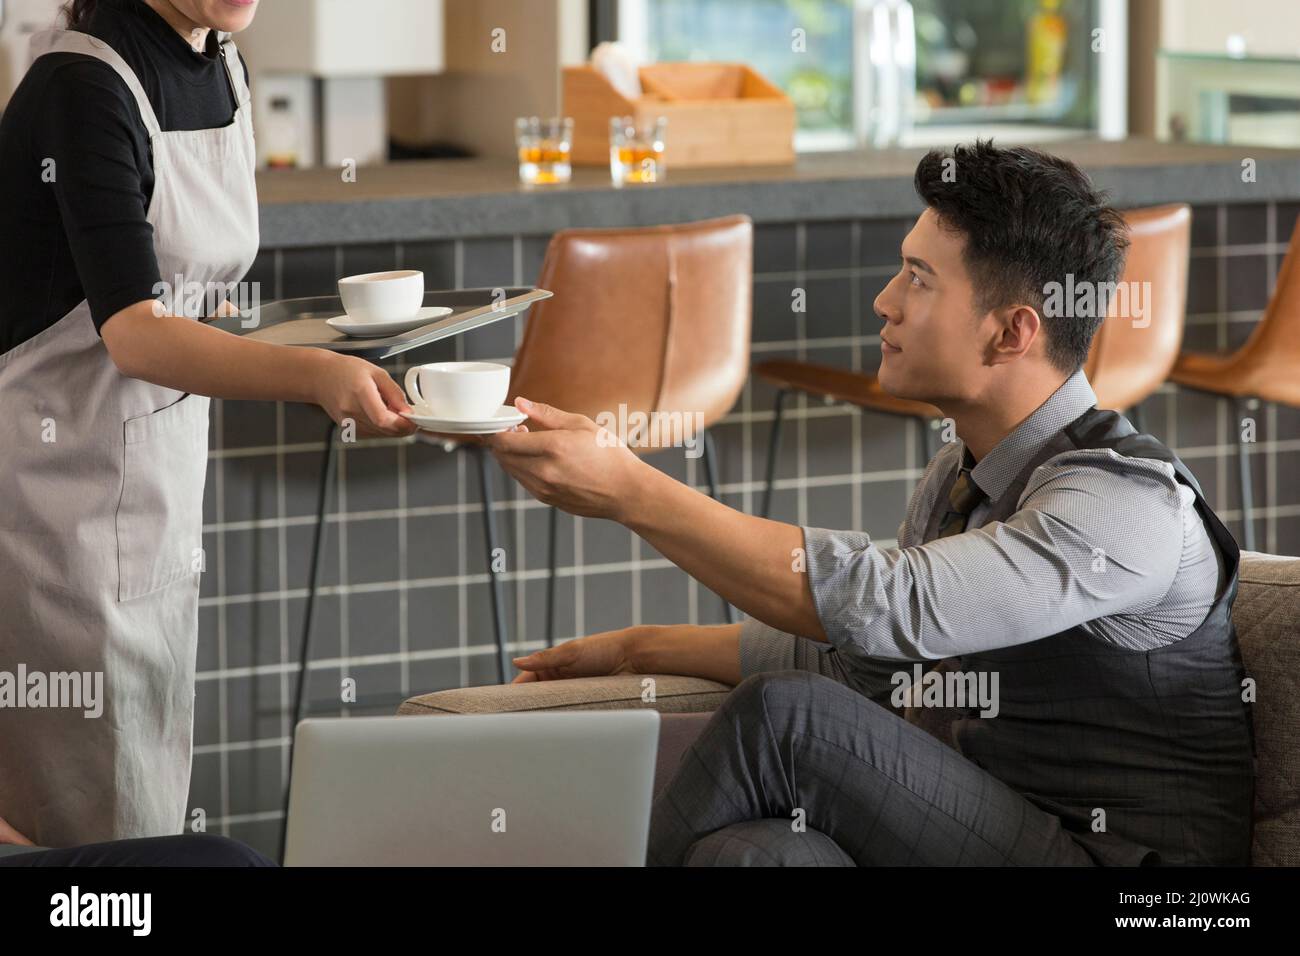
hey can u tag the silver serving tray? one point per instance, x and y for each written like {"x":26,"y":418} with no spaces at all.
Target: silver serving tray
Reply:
{"x":301,"y":321}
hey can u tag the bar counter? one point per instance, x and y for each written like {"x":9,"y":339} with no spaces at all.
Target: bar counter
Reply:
{"x":465,"y":198}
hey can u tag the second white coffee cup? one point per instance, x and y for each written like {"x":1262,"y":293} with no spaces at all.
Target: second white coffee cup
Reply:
{"x":464,"y":391}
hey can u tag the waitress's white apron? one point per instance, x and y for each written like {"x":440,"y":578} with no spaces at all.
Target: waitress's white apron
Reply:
{"x":101,"y":513}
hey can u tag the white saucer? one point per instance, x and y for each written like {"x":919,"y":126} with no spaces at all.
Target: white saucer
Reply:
{"x":375,"y":330}
{"x":506,"y":418}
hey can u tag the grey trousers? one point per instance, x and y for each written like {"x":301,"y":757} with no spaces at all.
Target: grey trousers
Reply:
{"x":811,"y":767}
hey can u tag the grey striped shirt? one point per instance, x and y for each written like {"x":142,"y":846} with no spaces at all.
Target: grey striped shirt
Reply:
{"x":1098,"y":540}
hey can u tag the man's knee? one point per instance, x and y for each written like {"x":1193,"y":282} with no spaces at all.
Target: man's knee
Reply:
{"x":775,"y":692}
{"x":795,"y":700}
{"x":761,"y":690}
{"x":766,"y":842}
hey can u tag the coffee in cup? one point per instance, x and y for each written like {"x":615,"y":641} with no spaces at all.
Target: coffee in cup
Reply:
{"x":464,"y":391}
{"x":382,"y":296}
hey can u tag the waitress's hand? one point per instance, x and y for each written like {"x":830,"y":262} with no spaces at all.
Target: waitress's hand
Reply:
{"x":353,"y":388}
{"x":9,"y":835}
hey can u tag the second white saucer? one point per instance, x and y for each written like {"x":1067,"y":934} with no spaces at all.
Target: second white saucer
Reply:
{"x":506,"y":417}
{"x":375,"y":330}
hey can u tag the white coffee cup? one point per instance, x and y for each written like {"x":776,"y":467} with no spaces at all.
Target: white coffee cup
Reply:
{"x":382,"y":296}
{"x":464,"y":391}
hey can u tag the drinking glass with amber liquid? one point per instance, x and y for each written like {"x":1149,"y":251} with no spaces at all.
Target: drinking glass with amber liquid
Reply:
{"x":636,"y":153}
{"x":545,"y":147}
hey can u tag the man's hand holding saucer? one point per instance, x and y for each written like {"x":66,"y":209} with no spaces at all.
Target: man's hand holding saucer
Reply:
{"x":567,"y":460}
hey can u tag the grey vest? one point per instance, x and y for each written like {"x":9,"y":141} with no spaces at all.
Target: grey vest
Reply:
{"x":1160,"y":740}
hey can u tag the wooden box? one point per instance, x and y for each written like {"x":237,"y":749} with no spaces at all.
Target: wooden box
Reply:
{"x":719,"y":114}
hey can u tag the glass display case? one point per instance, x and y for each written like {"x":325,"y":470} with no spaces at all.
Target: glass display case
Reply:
{"x":1030,"y":69}
{"x":1220,"y":98}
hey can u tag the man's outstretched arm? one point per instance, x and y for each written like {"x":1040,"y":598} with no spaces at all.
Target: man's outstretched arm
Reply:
{"x":1068,"y":556}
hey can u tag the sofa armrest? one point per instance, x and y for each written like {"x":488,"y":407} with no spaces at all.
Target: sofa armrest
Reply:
{"x":684,"y":702}
{"x":666,"y":693}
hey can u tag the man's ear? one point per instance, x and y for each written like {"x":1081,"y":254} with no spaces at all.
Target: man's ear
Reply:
{"x":1018,"y":328}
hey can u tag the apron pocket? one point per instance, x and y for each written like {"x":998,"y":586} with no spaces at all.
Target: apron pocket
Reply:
{"x":160,"y":517}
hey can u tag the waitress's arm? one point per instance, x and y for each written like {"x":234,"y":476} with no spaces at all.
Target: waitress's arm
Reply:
{"x":179,"y":353}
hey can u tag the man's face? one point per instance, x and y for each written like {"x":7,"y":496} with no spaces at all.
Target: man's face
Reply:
{"x":933,"y":343}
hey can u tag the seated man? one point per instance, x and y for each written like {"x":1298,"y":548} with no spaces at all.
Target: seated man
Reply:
{"x":1049,"y":552}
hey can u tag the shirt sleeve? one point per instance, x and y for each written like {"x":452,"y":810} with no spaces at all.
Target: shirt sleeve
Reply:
{"x":1096,"y":534}
{"x":86,"y":136}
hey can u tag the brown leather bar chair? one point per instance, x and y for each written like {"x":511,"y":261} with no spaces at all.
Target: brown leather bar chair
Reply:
{"x":1126,"y":363}
{"x":1265,"y":368}
{"x":656,"y":319}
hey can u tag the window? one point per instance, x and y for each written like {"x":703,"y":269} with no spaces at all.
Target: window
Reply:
{"x":986,"y":65}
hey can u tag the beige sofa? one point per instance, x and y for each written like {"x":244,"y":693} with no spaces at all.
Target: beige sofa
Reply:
{"x":1267,"y":614}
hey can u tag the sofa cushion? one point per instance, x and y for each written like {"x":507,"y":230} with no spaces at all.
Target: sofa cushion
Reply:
{"x":1267,"y":615}
{"x":672,"y":694}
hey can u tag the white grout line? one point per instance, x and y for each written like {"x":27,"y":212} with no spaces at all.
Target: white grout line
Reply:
{"x":801,"y":329}
{"x":1270,"y":460}
{"x":282,"y":577}
{"x":752,"y":485}
{"x":341,"y":505}
{"x":462,"y":591}
{"x":333,"y":663}
{"x":856,"y":309}
{"x":403,"y":549}
{"x":580,"y":570}
{"x":1223,"y":251}
{"x":520,"y":556}
{"x":851,"y":272}
{"x":1221,"y":342}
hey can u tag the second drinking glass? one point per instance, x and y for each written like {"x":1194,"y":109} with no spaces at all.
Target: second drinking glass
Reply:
{"x":636,"y":153}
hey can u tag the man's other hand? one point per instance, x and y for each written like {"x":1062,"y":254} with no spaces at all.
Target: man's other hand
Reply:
{"x":592,"y":656}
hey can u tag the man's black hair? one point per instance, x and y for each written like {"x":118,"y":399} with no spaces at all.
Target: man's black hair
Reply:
{"x":1028,"y":219}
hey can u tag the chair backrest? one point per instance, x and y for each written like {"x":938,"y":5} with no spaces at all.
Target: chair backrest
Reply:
{"x":655,"y":318}
{"x":1273,"y":348}
{"x":1129,"y":360}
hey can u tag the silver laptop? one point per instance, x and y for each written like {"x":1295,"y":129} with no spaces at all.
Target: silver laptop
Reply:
{"x":533,"y":789}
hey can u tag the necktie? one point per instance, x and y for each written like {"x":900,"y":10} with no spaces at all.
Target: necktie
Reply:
{"x":962,"y":499}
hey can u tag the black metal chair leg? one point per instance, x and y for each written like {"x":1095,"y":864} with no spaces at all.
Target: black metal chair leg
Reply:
{"x":329,"y":465}
{"x":328,"y":468}
{"x":494,"y":583}
{"x":773,"y":443}
{"x":550,"y":580}
{"x":1243,"y":465}
{"x":711,"y":476}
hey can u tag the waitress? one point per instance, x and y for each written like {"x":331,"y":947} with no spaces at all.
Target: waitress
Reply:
{"x":126,"y":161}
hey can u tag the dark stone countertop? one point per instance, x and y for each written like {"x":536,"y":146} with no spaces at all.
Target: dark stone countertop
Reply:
{"x":457,"y":198}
